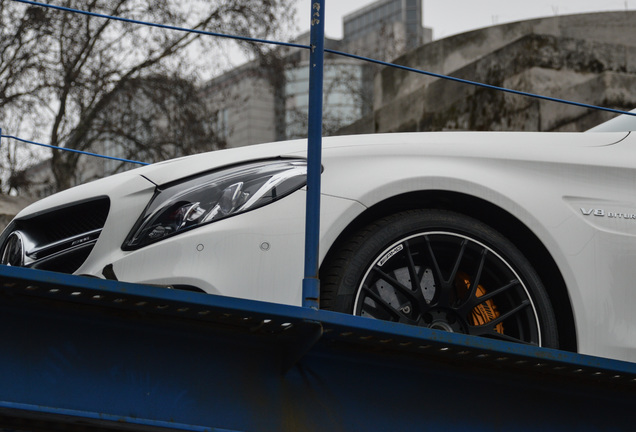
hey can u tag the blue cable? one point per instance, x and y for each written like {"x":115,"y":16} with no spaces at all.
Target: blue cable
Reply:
{"x":293,"y":45}
{"x":73,"y":150}
{"x":478,"y":84}
{"x":163,"y":26}
{"x":340,"y":53}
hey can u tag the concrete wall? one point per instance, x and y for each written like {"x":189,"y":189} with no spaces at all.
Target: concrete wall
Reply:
{"x":590,"y":58}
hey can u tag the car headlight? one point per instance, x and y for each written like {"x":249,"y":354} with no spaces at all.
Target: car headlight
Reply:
{"x":214,"y":196}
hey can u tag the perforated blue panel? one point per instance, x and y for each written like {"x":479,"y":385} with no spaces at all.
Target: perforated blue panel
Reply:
{"x":93,"y":353}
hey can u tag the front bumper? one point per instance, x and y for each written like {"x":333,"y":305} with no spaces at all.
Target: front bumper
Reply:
{"x":256,"y":255}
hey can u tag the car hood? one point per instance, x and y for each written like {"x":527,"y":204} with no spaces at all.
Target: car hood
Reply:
{"x":175,"y":169}
{"x":517,"y":145}
{"x":496,"y":145}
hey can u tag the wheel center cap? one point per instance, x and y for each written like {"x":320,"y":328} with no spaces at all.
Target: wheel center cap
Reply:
{"x":441,"y":325}
{"x":442,"y":319}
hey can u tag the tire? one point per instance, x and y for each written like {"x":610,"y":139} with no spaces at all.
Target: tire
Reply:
{"x":472,"y":280}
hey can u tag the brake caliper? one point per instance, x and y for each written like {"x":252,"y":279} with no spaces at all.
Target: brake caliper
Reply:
{"x":484,"y":312}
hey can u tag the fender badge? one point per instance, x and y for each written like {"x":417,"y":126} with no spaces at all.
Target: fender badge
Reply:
{"x":603,"y":213}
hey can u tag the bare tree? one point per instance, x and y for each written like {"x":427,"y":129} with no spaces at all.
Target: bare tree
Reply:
{"x":155,"y":118}
{"x":85,"y":71}
{"x":22,"y":41}
{"x":14,"y":159}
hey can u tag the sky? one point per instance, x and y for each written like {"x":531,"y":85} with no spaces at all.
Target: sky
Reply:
{"x":449,"y":17}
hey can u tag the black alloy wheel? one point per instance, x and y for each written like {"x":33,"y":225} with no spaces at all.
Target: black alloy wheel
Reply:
{"x":441,"y":270}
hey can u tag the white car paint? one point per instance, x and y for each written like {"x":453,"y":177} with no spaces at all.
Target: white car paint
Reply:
{"x":575,"y":192}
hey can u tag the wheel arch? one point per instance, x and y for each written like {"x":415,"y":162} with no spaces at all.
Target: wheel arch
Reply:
{"x":497,"y":218}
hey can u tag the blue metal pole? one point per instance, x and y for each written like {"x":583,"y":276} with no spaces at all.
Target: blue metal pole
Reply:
{"x":311,"y":283}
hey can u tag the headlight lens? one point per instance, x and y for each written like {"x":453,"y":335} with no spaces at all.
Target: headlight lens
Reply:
{"x":214,"y":196}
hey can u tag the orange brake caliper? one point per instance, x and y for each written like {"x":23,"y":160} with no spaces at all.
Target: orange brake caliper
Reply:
{"x":486,"y":311}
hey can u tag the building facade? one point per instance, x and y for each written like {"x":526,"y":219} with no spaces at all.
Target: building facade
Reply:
{"x":255,"y":108}
{"x":385,"y":29}
{"x":586,"y":58}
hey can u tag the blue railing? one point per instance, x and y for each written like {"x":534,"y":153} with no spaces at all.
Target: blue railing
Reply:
{"x":313,"y":47}
{"x":317,"y":50}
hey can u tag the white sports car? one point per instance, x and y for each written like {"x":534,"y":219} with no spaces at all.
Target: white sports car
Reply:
{"x":524,"y":237}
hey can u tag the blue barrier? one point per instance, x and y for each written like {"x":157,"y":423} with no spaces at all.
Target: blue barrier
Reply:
{"x":311,"y":282}
{"x":92,"y":354}
{"x":83,"y":353}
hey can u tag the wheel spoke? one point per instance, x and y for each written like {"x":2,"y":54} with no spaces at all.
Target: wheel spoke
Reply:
{"x":476,"y":278}
{"x":443,"y":293}
{"x":472,"y":300}
{"x":458,"y":261}
{"x":395,"y":313}
{"x":438,"y":272}
{"x":415,"y":278}
{"x":524,"y":304}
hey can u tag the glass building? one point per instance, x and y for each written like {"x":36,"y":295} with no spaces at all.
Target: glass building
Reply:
{"x":383,"y":30}
{"x":385,"y":18}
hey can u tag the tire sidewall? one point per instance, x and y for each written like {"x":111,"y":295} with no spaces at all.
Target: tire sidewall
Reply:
{"x":368,"y":243}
